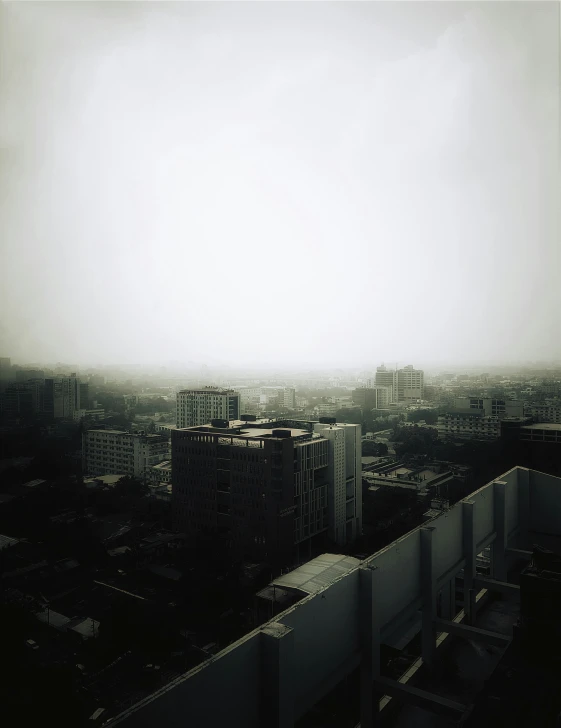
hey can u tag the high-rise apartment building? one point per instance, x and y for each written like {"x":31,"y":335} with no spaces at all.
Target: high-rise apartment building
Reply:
{"x":345,"y":482}
{"x":84,"y":399}
{"x":375,"y":397}
{"x":199,"y":406}
{"x":406,"y":384}
{"x":387,"y":378}
{"x":272,"y":487}
{"x":122,"y":453}
{"x":288,"y":397}
{"x":57,"y":400}
{"x":62,"y":397}
{"x":410,"y":384}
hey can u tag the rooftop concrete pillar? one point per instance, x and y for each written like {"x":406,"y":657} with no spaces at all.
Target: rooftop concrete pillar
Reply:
{"x":277,"y":662}
{"x":500,"y":543}
{"x":428,"y":590}
{"x":448,"y":599}
{"x":468,"y":541}
{"x":523,"y":483}
{"x":369,"y":627}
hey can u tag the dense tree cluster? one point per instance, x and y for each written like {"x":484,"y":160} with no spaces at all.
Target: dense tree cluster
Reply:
{"x":429,"y":416}
{"x":376,"y":449}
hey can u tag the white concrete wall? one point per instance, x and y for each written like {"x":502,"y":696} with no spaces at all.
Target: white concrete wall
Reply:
{"x":325,"y":637}
{"x":325,"y":626}
{"x":225,"y":691}
{"x":398,"y":580}
{"x":545,"y":503}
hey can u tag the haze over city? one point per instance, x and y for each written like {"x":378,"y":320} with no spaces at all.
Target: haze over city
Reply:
{"x":279,"y":184}
{"x":280,"y":364}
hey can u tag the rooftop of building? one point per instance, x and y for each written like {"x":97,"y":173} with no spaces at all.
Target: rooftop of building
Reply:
{"x":544,"y":426}
{"x":108,"y":479}
{"x":207,"y":390}
{"x":110,"y":432}
{"x":316,"y":574}
{"x":164,"y":465}
{"x":252,"y":432}
{"x":318,"y":656}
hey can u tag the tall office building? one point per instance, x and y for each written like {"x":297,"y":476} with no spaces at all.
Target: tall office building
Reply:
{"x":387,"y":378}
{"x":288,"y":397}
{"x":122,"y":453}
{"x":344,"y":478}
{"x":407,"y":384}
{"x":272,"y":487}
{"x":84,"y":400}
{"x":410,"y":384}
{"x":199,"y":406}
{"x":62,"y":397}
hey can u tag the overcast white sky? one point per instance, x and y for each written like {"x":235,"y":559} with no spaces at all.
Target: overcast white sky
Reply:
{"x":279,"y":183}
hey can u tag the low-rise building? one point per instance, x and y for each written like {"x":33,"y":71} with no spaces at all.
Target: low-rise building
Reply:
{"x":123,"y":453}
{"x":541,"y":432}
{"x":490,"y":407}
{"x":94,"y":414}
{"x":543,"y":412}
{"x":469,"y":424}
{"x":161,"y":473}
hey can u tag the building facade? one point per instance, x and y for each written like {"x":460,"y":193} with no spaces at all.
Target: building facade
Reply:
{"x":94,"y":414}
{"x":61,"y":397}
{"x":197,"y":407}
{"x":543,"y":412}
{"x":122,"y":453}
{"x":541,"y":432}
{"x":410,"y":384}
{"x":469,"y":424}
{"x":491,"y":407}
{"x":387,"y":378}
{"x":345,"y":481}
{"x":23,"y":401}
{"x":376,"y":397}
{"x":271,"y":487}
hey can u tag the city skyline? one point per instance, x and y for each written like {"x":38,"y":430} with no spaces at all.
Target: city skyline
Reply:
{"x":200,"y":181}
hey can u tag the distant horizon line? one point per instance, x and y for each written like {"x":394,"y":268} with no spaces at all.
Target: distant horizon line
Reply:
{"x":304,"y":367}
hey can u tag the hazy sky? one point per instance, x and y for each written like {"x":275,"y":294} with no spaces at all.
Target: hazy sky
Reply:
{"x":324,"y":183}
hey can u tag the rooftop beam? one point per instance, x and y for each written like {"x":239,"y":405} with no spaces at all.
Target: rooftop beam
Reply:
{"x":520,"y":552}
{"x":428,"y":589}
{"x":468,"y":538}
{"x":498,"y":586}
{"x":420,"y":698}
{"x":473,"y":633}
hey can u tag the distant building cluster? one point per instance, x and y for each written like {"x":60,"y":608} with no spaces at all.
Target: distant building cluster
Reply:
{"x":403,"y":385}
{"x":34,"y":395}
